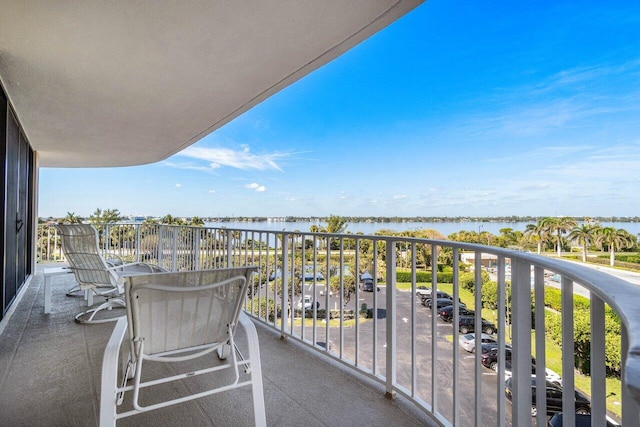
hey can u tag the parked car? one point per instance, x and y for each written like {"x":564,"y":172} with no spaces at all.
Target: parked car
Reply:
{"x":439,"y":294}
{"x":551,"y":376}
{"x":582,"y":420}
{"x":366,"y":282}
{"x":468,"y":341}
{"x":554,"y":398}
{"x":308,"y":276}
{"x":467,"y":324}
{"x":275,"y":275}
{"x":490,"y":360}
{"x":423,"y":291}
{"x":490,"y":356}
{"x":492,"y":347}
{"x":307,"y":303}
{"x":440,"y":303}
{"x":446,"y":313}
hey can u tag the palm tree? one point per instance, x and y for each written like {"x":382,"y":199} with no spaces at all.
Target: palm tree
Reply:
{"x":558,"y":226}
{"x":584,"y":234}
{"x":612,"y":238}
{"x":539,"y":232}
{"x":335,"y":225}
{"x":71,"y":218}
{"x":197,"y":221}
{"x":108,"y":216}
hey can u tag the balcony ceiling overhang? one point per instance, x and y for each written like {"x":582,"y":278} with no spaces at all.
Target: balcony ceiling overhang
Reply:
{"x":123,"y":83}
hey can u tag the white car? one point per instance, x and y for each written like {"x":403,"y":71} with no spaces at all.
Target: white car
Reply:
{"x":307,"y":303}
{"x":468,"y":341}
{"x":550,"y":375}
{"x":423,"y":291}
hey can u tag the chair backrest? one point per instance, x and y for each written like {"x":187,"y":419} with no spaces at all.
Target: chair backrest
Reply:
{"x":81,"y":249}
{"x":180,"y":310}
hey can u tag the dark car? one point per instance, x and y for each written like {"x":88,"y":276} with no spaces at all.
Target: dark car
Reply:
{"x":439,"y":294}
{"x":554,"y":398}
{"x":582,"y":420}
{"x":467,"y":324}
{"x":440,"y":303}
{"x":490,"y":356}
{"x":446,"y":313}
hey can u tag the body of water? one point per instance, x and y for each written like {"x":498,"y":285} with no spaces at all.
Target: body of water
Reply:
{"x":445,"y":228}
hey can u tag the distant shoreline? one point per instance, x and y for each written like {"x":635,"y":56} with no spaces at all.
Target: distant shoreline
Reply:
{"x":475,"y":219}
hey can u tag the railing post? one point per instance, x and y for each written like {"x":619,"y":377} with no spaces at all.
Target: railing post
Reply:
{"x":598,"y":371}
{"x":630,"y":410}
{"x":568,"y":349}
{"x":229,"y":242}
{"x":138,"y":241}
{"x":521,"y":349}
{"x":174,"y":257}
{"x":434,"y":331}
{"x":284,"y":312}
{"x":390,"y":319}
{"x":160,"y":234}
{"x":107,"y":238}
{"x":478,"y":333}
{"x":196,"y":249}
{"x":540,"y":333}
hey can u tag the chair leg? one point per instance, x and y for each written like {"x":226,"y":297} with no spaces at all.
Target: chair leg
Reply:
{"x":255,"y":371}
{"x":88,"y":316}
{"x":75,"y":291}
{"x":224,"y":351}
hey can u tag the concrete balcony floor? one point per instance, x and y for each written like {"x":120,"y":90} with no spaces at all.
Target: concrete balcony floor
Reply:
{"x":50,"y":370}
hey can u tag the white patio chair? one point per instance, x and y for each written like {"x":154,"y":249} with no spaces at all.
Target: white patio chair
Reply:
{"x":93,"y":273}
{"x":176,"y":317}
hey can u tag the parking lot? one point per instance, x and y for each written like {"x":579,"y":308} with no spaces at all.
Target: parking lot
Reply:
{"x":371,"y":338}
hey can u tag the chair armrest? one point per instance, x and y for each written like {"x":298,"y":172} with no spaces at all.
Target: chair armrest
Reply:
{"x":152,"y":268}
{"x":109,"y":382}
{"x":112,"y":259}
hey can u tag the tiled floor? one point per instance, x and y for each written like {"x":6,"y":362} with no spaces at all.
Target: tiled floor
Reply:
{"x":50,"y":371}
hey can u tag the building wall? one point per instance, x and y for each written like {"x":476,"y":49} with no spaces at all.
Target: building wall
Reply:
{"x":17,"y":190}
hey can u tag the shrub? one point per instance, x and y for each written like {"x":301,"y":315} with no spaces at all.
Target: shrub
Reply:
{"x":582,"y":337}
{"x":365,"y":312}
{"x":468,"y":280}
{"x":628,"y":258}
{"x":424,"y":276}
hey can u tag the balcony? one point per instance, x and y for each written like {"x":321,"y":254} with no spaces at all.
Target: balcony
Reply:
{"x":335,"y":368}
{"x":51,"y":376}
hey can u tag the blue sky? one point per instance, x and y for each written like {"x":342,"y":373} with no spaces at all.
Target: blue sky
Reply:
{"x":459,"y":108}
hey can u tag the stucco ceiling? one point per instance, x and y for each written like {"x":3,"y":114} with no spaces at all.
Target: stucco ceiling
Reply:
{"x":122,"y":82}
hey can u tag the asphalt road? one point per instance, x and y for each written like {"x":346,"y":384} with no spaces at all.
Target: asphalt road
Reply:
{"x":423,"y":354}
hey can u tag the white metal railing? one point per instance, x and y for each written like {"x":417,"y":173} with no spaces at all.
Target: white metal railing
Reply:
{"x":404,"y":346}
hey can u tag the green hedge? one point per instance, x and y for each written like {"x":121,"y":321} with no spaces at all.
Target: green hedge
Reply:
{"x":553,"y":299}
{"x":582,"y":332}
{"x":424,"y":276}
{"x":628,"y":258}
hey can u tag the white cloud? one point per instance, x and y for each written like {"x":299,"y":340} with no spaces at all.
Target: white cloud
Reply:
{"x":243,"y":159}
{"x":400,"y":197}
{"x":255,"y":186}
{"x":212,"y":191}
{"x":178,"y":185}
{"x":188,"y":166}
